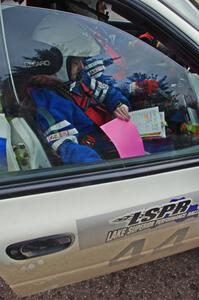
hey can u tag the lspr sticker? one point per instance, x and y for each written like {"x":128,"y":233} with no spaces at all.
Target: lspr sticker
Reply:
{"x":176,"y":210}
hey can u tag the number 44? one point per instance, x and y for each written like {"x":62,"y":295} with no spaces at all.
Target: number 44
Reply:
{"x":136,"y":248}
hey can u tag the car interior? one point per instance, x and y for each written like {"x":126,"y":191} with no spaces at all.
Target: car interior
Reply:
{"x":27,"y":150}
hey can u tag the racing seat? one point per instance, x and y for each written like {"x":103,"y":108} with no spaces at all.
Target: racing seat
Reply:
{"x":27,"y":58}
{"x":8,"y":161}
{"x":23,"y":149}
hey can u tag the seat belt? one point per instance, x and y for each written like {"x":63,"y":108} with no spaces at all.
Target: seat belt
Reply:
{"x":47,"y":116}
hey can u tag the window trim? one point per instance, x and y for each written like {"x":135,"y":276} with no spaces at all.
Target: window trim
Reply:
{"x":179,"y":14}
{"x":61,"y":182}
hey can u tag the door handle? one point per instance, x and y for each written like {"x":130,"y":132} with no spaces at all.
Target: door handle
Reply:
{"x":40,"y":247}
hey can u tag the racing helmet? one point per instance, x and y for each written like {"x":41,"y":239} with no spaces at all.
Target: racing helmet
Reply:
{"x":35,"y":58}
{"x":69,"y":34}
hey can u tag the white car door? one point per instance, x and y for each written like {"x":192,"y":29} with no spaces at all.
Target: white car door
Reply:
{"x":62,"y":223}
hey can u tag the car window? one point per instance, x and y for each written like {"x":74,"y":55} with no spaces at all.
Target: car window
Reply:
{"x":87,"y":94}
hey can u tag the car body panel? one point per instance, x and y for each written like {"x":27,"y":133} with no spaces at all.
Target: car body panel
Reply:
{"x":41,"y":213}
{"x":92,"y":215}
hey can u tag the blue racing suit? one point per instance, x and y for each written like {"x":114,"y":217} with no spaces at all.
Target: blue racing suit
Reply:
{"x":63,"y":123}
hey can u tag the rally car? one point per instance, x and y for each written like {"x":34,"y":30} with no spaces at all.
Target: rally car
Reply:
{"x":66,"y":218}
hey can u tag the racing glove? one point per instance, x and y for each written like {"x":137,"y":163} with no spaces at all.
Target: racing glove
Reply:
{"x":141,"y":84}
{"x":146,"y":87}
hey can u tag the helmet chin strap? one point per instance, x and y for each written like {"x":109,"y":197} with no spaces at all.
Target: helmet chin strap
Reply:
{"x":62,"y":74}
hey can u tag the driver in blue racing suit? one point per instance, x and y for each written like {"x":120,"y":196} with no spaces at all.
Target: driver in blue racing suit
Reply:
{"x":66,"y":127}
{"x":62,"y":121}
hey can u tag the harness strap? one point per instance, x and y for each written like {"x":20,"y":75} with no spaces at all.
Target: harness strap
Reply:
{"x":95,"y":111}
{"x":87,"y":96}
{"x":85,"y":101}
{"x":47,"y":116}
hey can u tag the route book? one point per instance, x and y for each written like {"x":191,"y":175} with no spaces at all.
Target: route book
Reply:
{"x":150,"y":122}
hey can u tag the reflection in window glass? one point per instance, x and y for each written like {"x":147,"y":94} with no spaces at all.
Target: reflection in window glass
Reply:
{"x":8,"y":161}
{"x":73,"y":75}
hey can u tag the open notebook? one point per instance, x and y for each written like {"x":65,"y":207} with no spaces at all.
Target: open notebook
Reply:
{"x":150,"y":122}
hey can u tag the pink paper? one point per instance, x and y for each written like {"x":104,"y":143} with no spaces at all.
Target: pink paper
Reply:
{"x":125,"y":136}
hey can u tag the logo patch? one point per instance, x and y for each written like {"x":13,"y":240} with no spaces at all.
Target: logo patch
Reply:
{"x":176,"y":210}
{"x":36,"y":63}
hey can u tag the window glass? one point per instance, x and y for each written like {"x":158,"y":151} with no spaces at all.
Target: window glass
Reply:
{"x":72,"y":75}
{"x":8,"y":160}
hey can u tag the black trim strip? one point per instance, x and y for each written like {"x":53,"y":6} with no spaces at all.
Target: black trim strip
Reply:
{"x":77,"y":181}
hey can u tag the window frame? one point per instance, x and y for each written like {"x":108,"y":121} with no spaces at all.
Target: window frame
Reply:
{"x":51,"y":181}
{"x":161,"y":27}
{"x":182,"y":15}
